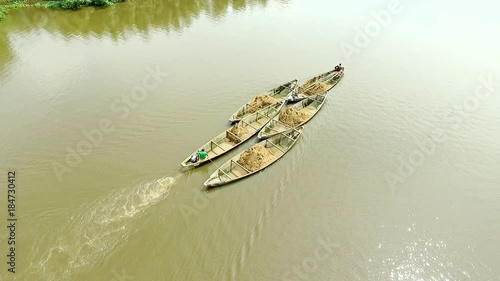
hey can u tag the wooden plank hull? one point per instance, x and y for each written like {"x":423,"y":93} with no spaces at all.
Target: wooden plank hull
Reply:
{"x":232,"y":171}
{"x":281,"y":93}
{"x":222,"y":143}
{"x":311,"y":106}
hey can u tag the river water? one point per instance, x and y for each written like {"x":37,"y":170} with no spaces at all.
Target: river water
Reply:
{"x":397,"y":177}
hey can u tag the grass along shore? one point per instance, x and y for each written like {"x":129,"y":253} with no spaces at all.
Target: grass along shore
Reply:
{"x":7,"y":5}
{"x":76,"y":4}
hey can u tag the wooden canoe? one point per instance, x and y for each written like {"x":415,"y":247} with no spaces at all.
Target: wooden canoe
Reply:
{"x":317,"y":85}
{"x":232,"y":170}
{"x":280,"y":93}
{"x":311,"y":105}
{"x":227,"y":141}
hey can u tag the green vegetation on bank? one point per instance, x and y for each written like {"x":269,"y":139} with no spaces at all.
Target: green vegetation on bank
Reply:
{"x":76,"y":4}
{"x":7,"y":5}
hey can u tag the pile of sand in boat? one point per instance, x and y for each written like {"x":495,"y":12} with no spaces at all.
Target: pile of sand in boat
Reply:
{"x":260,"y":102}
{"x":255,"y":158}
{"x":314,"y":87}
{"x":237,"y":133}
{"x":293,"y":117}
{"x":258,"y":156}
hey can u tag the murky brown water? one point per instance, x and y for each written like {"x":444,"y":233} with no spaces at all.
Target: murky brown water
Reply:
{"x":397,"y":178}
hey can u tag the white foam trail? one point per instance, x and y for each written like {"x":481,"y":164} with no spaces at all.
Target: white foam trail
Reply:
{"x":94,"y":231}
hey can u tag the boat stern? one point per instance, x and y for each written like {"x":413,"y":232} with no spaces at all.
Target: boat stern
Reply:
{"x":188,"y":165}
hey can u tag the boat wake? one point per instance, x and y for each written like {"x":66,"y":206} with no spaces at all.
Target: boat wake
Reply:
{"x":94,"y":231}
{"x":263,"y":218}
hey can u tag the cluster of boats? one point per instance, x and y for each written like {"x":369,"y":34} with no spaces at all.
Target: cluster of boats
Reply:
{"x":275,"y":133}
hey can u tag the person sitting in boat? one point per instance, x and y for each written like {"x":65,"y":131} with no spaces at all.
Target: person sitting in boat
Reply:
{"x":194,"y":158}
{"x":202,"y":154}
{"x":293,"y":97}
{"x":338,"y":67}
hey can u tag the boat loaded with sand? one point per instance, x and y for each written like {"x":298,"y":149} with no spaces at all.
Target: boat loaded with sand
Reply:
{"x":254,"y":159}
{"x":317,"y":85}
{"x":293,"y":116}
{"x":236,"y":135}
{"x":278,"y":94}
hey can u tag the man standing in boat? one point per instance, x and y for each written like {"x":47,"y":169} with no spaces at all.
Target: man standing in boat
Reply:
{"x":338,"y":67}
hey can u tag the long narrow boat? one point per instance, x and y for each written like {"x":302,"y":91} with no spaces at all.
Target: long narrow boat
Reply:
{"x":276,"y":147}
{"x":228,"y":140}
{"x":309,"y":107}
{"x":319,"y":84}
{"x":279,"y":93}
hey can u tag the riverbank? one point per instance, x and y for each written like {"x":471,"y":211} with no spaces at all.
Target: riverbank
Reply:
{"x":8,"y":5}
{"x":76,"y":4}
